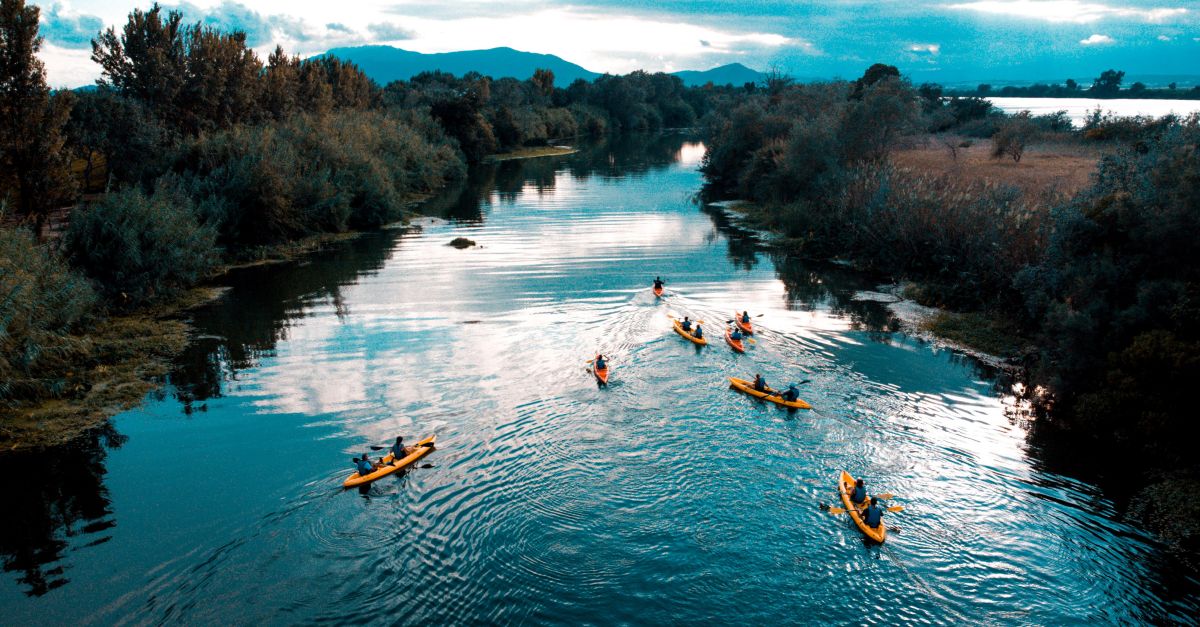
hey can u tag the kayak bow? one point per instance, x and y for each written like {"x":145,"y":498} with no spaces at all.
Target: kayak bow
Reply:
{"x":601,"y":373}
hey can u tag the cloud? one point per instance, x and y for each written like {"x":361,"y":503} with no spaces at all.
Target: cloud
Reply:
{"x":68,"y":29}
{"x":339,"y":27}
{"x":1164,"y":38}
{"x":260,"y":29}
{"x":930,"y":49}
{"x":389,"y":31}
{"x":1097,"y":40}
{"x":1068,"y":10}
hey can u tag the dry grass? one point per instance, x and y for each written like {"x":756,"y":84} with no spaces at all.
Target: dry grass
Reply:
{"x":1046,"y":170}
{"x":530,"y":153}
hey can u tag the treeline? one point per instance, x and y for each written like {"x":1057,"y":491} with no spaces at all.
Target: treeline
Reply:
{"x":1107,"y":284}
{"x":1107,"y":85}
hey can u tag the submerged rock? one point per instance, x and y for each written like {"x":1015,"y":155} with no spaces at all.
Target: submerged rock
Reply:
{"x":461,"y":242}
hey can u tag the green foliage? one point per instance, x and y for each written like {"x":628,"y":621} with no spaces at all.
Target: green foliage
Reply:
{"x":41,"y":302}
{"x":312,"y":174}
{"x":138,"y":247}
{"x":1118,"y":299}
{"x":1013,"y":135}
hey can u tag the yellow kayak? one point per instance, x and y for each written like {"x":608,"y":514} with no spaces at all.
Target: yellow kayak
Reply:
{"x":845,"y":487}
{"x":742,"y":385}
{"x":390,"y":465}
{"x":679,"y":329}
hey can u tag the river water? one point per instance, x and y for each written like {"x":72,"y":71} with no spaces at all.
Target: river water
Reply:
{"x":1079,"y":109}
{"x":665,"y":498}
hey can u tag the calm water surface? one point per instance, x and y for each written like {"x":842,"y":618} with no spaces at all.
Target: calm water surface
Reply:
{"x":1078,"y":109}
{"x":664,"y":499}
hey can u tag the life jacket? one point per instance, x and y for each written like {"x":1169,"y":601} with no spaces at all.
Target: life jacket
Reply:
{"x":760,"y":385}
{"x":364,"y":467}
{"x":397,"y":451}
{"x":601,"y":364}
{"x":873,"y":516}
{"x":698,"y":332}
{"x":745,"y":318}
{"x":686,"y":324}
{"x":858,"y":495}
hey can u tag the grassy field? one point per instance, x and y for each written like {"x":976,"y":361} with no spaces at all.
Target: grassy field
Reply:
{"x":1047,"y":170}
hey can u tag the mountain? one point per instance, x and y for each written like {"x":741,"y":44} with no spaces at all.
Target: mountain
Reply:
{"x":386,"y":64}
{"x":734,"y":73}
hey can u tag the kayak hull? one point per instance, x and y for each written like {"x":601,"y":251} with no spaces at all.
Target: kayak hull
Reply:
{"x":601,"y":373}
{"x":845,"y":487}
{"x":391,"y":465}
{"x":746,"y":327}
{"x":695,"y":340}
{"x":737,"y":345}
{"x":747,"y":387}
{"x":658,"y":291}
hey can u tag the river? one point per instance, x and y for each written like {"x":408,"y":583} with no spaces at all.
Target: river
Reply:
{"x":665,"y":498}
{"x":1079,"y":109}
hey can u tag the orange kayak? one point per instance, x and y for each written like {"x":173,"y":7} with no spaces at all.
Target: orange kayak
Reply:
{"x":601,"y":373}
{"x":746,"y":327}
{"x":736,"y":345}
{"x":679,"y":329}
{"x":390,"y":464}
{"x":658,"y":290}
{"x":845,"y":487}
{"x":747,"y":386}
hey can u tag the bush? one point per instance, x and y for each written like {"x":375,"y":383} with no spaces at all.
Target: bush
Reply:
{"x":41,"y":301}
{"x":139,"y":247}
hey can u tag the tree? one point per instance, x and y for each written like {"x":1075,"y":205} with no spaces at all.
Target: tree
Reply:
{"x":1072,"y":85}
{"x":281,"y":82}
{"x":984,"y":89}
{"x":874,"y":74}
{"x":34,"y":167}
{"x":1108,"y":84}
{"x":148,"y":61}
{"x":544,"y":81}
{"x":1014,"y":135}
{"x":1137,"y":89}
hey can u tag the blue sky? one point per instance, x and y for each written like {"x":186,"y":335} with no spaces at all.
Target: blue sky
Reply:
{"x":942,"y":41}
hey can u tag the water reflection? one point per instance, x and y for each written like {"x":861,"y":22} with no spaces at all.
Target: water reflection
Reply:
{"x":54,"y":499}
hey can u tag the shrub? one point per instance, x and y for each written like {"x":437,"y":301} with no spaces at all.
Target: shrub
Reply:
{"x":139,"y":247}
{"x":41,"y":301}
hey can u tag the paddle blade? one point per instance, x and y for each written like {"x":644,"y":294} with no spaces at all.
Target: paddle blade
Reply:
{"x":750,"y":339}
{"x":896,"y":508}
{"x":836,"y":510}
{"x":885,"y":496}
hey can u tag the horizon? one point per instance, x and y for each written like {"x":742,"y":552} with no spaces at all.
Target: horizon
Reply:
{"x":951,"y":43}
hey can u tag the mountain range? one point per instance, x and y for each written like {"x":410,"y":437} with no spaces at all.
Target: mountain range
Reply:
{"x":385,"y":64}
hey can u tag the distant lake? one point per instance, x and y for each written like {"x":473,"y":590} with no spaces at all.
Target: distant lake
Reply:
{"x":1079,"y":108}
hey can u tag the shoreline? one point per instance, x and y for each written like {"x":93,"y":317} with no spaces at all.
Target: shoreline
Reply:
{"x":929,"y":324}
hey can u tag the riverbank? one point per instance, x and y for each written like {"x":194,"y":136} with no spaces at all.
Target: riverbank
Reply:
{"x":533,"y":153}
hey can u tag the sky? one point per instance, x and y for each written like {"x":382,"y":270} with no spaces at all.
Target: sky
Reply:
{"x":947,"y":41}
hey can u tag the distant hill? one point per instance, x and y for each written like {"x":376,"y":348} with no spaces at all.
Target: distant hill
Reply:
{"x":734,"y":73}
{"x":386,"y":64}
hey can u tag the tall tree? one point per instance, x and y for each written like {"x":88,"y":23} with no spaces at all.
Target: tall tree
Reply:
{"x":147,"y":61}
{"x":34,"y":168}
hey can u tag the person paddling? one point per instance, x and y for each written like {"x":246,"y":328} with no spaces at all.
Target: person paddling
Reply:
{"x":791,"y":394}
{"x":873,"y":515}
{"x":698,"y":333}
{"x":399,"y":451}
{"x":736,"y":334}
{"x":745,"y":317}
{"x":658,"y":283}
{"x":364,"y":466}
{"x":760,"y":384}
{"x":859,"y":495}
{"x":686,"y":325}
{"x":601,"y":363}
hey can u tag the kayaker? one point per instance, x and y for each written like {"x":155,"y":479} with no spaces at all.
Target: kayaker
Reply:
{"x":399,"y":451}
{"x":859,"y":495}
{"x":745,"y":317}
{"x":698,"y":333}
{"x":686,"y":324}
{"x":658,"y":283}
{"x":792,"y":394}
{"x":601,"y":364}
{"x":364,"y":466}
{"x":760,"y":384}
{"x":736,"y":334}
{"x":873,"y":515}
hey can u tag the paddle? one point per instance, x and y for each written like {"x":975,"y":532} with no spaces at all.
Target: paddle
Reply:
{"x":758,"y":316}
{"x":841,"y":510}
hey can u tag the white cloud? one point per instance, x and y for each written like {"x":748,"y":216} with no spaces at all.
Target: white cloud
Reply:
{"x":925,"y":48}
{"x":1164,"y":38}
{"x":1096,"y":40}
{"x":1069,"y":10}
